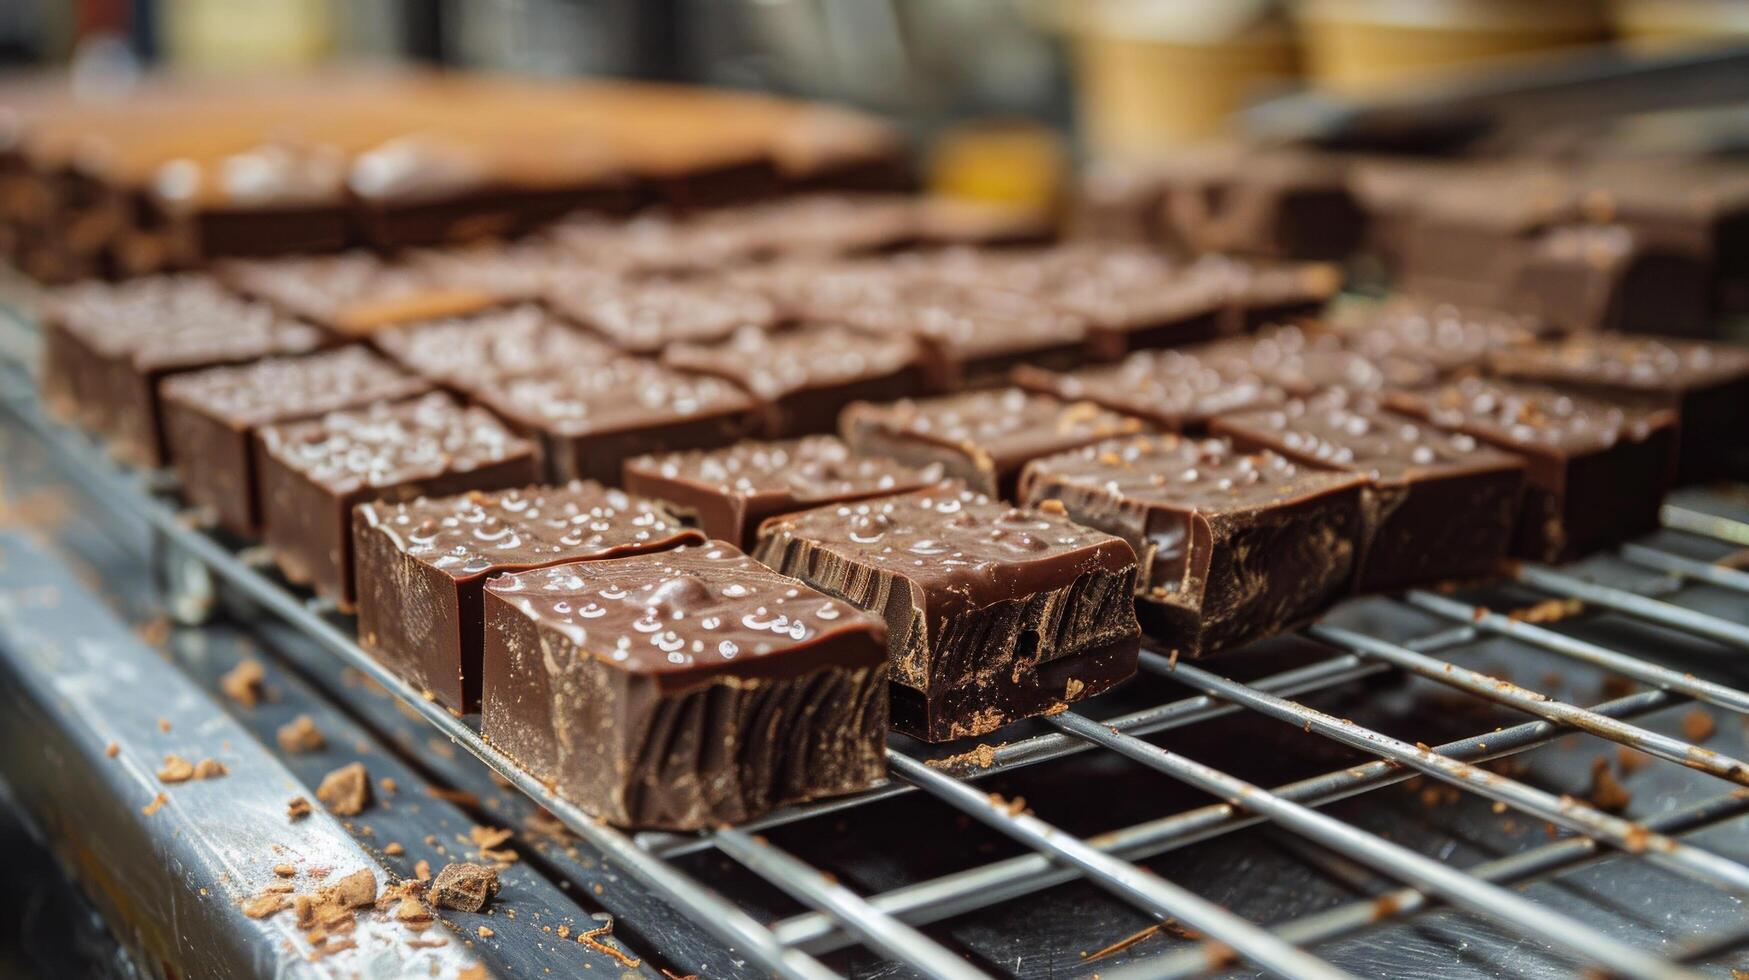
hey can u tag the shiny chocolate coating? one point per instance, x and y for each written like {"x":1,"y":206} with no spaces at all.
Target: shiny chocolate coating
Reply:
{"x":277,"y":389}
{"x":167,"y":322}
{"x":1442,"y":335}
{"x":1172,"y":389}
{"x":645,"y":317}
{"x":472,"y":351}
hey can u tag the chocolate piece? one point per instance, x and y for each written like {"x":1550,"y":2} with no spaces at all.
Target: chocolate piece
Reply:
{"x":1282,"y":203}
{"x":646,"y":317}
{"x":1304,"y":363}
{"x":523,"y":270}
{"x":107,"y":347}
{"x":1437,"y":505}
{"x":472,"y":353}
{"x":1233,"y":546}
{"x":1445,"y":337}
{"x":1604,"y":277}
{"x":312,"y":474}
{"x":1595,"y":471}
{"x":807,"y":374}
{"x":729,"y":491}
{"x":1119,"y":202}
{"x":1698,"y":209}
{"x":683,"y":689}
{"x":590,"y":418}
{"x":211,"y":417}
{"x":354,"y":293}
{"x":993,"y":613}
{"x":421,"y":566}
{"x":1470,"y":230}
{"x":464,"y":887}
{"x":1170,"y":389}
{"x":1707,"y":384}
{"x":981,"y":437}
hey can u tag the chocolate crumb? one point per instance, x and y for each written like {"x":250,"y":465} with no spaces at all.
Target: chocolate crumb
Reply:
{"x":210,"y":769}
{"x":156,"y":804}
{"x":176,"y":770}
{"x":298,"y":808}
{"x":394,"y":849}
{"x":422,"y":870}
{"x":284,"y":870}
{"x":592,"y":939}
{"x":486,"y":932}
{"x":1631,"y":760}
{"x":244,"y":682}
{"x":301,"y":735}
{"x":164,"y":725}
{"x":264,"y":905}
{"x":346,"y":790}
{"x":1607,"y":794}
{"x":387,"y":784}
{"x":489,"y":841}
{"x":112,"y":750}
{"x":1698,"y":725}
{"x":464,"y":887}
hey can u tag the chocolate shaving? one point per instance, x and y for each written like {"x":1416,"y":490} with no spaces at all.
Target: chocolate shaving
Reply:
{"x":265,"y":904}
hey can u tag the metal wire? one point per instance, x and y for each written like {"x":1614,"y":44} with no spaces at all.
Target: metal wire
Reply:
{"x":1700,"y":571}
{"x":1679,"y":518}
{"x":1621,"y":600}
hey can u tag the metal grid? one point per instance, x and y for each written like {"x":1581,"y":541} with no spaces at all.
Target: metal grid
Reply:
{"x":887,"y":922}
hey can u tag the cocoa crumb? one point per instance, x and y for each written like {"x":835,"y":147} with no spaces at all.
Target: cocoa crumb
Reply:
{"x":176,"y":770}
{"x":112,"y":750}
{"x":284,"y":870}
{"x":564,"y":932}
{"x":490,"y":840}
{"x":265,"y":904}
{"x":413,"y":913}
{"x":422,"y":870}
{"x":210,"y":769}
{"x":346,"y":790}
{"x":464,"y":887}
{"x":387,"y":785}
{"x":394,"y":849}
{"x":1051,"y":505}
{"x":301,"y":735}
{"x":164,"y":725}
{"x":456,"y":796}
{"x":1698,"y":725}
{"x":592,"y":939}
{"x":156,"y":804}
{"x":983,"y":757}
{"x":298,"y":808}
{"x":244,"y":682}
{"x":486,"y":932}
{"x":1607,"y":794}
{"x":154,"y":632}
{"x":1547,"y":611}
{"x":1631,"y":760}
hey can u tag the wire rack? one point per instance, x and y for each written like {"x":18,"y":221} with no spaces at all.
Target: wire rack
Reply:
{"x":195,"y":563}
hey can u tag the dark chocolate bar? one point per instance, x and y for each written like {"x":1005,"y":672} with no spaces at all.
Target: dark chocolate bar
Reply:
{"x":993,"y":613}
{"x":1282,"y":203}
{"x":422,"y":565}
{"x":1447,"y":338}
{"x":683,"y":689}
{"x":354,"y":293}
{"x":474,"y":352}
{"x":646,"y":317}
{"x":1232,"y":546}
{"x":728,"y":492}
{"x":1173,"y":390}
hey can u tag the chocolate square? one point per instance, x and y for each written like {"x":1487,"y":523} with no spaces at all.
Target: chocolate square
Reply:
{"x":1173,"y":390}
{"x":472,"y":353}
{"x":1438,"y":505}
{"x":211,"y":418}
{"x":1280,"y":203}
{"x":590,"y":418}
{"x":107,"y":347}
{"x":993,"y":613}
{"x":981,"y":437}
{"x":683,"y":689}
{"x":354,"y":293}
{"x":728,"y":492}
{"x":422,"y":566}
{"x":1447,"y":338}
{"x":314,"y":472}
{"x":1233,"y":546}
{"x":646,"y":317}
{"x":1707,"y":384}
{"x":807,"y":374}
{"x":1596,"y":471}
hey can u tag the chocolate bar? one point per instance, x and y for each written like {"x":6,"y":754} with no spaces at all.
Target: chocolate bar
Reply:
{"x":314,"y":472}
{"x":1232,"y":546}
{"x":981,"y":437}
{"x":646,"y":317}
{"x":422,"y":566}
{"x":1707,"y":384}
{"x":1272,"y":203}
{"x":728,"y":492}
{"x":1304,"y":363}
{"x":211,"y":418}
{"x":474,"y":352}
{"x":354,"y":293}
{"x":1447,"y":338}
{"x":1595,"y":471}
{"x":590,"y":418}
{"x":993,"y":613}
{"x":805,"y":375}
{"x":1173,"y":390}
{"x":683,"y":689}
{"x":1607,"y":277}
{"x":106,"y":348}
{"x":1438,"y":505}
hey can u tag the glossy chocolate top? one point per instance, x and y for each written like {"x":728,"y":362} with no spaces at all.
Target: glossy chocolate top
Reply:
{"x":970,"y":321}
{"x":1005,"y":426}
{"x":1205,"y":475}
{"x":813,"y":225}
{"x":1357,"y":435}
{"x":392,"y":443}
{"x":1173,"y":389}
{"x":1630,"y":361}
{"x":470,"y":351}
{"x":690,"y":614}
{"x":1297,"y":362}
{"x":1514,"y":414}
{"x":473,"y":533}
{"x":1112,"y":284}
{"x":165,"y":322}
{"x":614,"y":395}
{"x":809,"y":470}
{"x":645,"y":317}
{"x":281,"y":388}
{"x":772,"y":364}
{"x":519,"y":270}
{"x":356,"y":292}
{"x":1444,"y":336}
{"x":963,"y":548}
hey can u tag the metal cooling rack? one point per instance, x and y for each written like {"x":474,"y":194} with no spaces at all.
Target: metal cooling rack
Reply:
{"x":193,"y":564}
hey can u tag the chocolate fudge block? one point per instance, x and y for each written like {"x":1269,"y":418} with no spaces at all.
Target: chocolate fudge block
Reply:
{"x":1285,"y":203}
{"x":108,"y":346}
{"x":1305,"y":362}
{"x":515,"y":271}
{"x":1447,"y":338}
{"x":1606,"y":277}
{"x":1697,"y":208}
{"x":1232,"y":546}
{"x":1437,"y":505}
{"x":683,"y":689}
{"x":422,"y":566}
{"x":1469,"y":231}
{"x":981,"y":437}
{"x":314,"y":472}
{"x":470,"y":353}
{"x":1595,"y":470}
{"x":211,"y":418}
{"x":993,"y":613}
{"x":646,"y":317}
{"x":354,"y":293}
{"x":729,"y":491}
{"x":1173,"y":390}
{"x":591,"y":418}
{"x":807,"y":374}
{"x":1707,"y":384}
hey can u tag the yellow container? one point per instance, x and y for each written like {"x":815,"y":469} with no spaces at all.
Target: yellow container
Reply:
{"x":1656,"y":25}
{"x":1369,"y":46}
